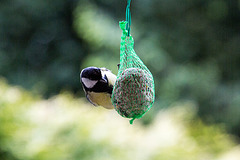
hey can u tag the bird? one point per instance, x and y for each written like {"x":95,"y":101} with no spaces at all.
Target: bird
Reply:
{"x":98,"y":85}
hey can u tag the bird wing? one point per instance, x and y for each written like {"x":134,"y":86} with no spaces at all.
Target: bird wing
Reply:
{"x":100,"y":99}
{"x":88,"y":98}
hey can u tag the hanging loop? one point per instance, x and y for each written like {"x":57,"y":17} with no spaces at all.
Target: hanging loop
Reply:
{"x":128,"y":17}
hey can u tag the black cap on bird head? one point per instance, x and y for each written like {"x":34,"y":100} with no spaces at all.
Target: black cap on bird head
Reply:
{"x":92,"y":73}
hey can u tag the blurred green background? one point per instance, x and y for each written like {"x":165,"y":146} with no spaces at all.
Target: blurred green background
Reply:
{"x":192,"y":48}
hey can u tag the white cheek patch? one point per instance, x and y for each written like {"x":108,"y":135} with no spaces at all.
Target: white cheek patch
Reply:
{"x":89,"y":83}
{"x":110,"y":77}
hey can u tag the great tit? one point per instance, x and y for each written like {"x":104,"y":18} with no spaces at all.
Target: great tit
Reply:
{"x":98,"y":86}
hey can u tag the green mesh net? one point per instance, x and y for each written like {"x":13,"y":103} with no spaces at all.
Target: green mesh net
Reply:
{"x":133,"y":93}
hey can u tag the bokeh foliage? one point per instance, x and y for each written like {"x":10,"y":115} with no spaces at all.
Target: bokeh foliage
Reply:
{"x":192,"y":48}
{"x":39,"y":48}
{"x":64,"y":127}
